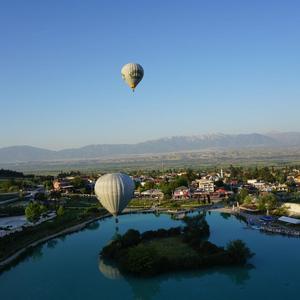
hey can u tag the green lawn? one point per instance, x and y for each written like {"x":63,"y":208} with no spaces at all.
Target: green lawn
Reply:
{"x":80,"y":201}
{"x":172,"y":248}
{"x":137,"y":202}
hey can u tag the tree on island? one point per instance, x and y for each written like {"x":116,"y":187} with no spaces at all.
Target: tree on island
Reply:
{"x":165,"y":250}
{"x":142,"y":260}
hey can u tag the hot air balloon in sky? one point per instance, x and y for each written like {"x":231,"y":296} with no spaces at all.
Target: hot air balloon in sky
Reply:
{"x":114,"y":191}
{"x":132,"y":73}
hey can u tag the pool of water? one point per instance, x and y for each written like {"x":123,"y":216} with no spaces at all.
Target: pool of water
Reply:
{"x":69,"y":268}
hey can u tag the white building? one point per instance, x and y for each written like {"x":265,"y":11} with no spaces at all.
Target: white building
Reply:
{"x":206,"y":185}
{"x":153,"y":193}
{"x":252,"y":181}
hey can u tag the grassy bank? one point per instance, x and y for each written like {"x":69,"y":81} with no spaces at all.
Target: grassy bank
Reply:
{"x":12,"y":243}
{"x":168,"y":204}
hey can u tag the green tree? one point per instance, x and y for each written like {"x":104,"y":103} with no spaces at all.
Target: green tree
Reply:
{"x":61,"y":211}
{"x":267,"y":202}
{"x":131,"y":238}
{"x":149,"y":185}
{"x":266,"y":175}
{"x":13,"y":188}
{"x":181,"y":181}
{"x":236,"y":172}
{"x":141,"y":260}
{"x":168,"y":187}
{"x":32,"y":212}
{"x":242,"y":195}
{"x":247,"y":200}
{"x":190,"y":175}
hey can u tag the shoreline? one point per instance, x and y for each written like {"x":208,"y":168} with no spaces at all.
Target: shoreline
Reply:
{"x":4,"y":263}
{"x":10,"y":259}
{"x":282,"y":230}
{"x":71,"y":229}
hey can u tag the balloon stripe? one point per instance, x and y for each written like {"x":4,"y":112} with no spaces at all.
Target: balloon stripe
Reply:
{"x":114,"y":191}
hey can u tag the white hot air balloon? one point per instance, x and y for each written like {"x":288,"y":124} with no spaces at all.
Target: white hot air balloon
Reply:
{"x":108,"y":270}
{"x":132,"y":73}
{"x":114,"y":191}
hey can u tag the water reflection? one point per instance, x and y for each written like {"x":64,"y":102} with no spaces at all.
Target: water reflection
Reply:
{"x":37,"y":253}
{"x":52,"y":243}
{"x":238,"y":275}
{"x":34,"y":253}
{"x":144,"y":289}
{"x":147,"y":288}
{"x":93,"y":226}
{"x":95,"y":280}
{"x":62,"y":237}
{"x":225,"y":215}
{"x":109,"y":270}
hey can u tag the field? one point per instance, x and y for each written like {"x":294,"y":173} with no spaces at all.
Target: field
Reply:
{"x":192,"y":159}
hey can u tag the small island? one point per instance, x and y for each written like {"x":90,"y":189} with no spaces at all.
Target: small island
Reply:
{"x":179,"y":248}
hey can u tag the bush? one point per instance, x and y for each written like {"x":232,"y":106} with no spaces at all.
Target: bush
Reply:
{"x":175,"y":205}
{"x":280,"y":211}
{"x":207,"y":248}
{"x":147,"y":235}
{"x":174,"y":231}
{"x":247,"y":200}
{"x":112,"y":250}
{"x":61,"y":211}
{"x":268,"y":201}
{"x":161,"y":233}
{"x":131,"y":238}
{"x":32,"y":212}
{"x":242,"y":195}
{"x":140,"y":260}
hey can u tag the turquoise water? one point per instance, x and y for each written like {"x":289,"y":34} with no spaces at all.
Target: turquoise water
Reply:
{"x":68,"y":267}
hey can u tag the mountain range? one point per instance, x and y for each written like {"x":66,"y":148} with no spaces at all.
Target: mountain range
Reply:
{"x":218,"y":141}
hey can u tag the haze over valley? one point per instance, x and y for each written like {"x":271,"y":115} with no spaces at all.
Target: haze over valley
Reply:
{"x":174,"y":151}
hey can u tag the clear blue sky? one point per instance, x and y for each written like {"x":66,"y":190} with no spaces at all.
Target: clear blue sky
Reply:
{"x":210,"y":66}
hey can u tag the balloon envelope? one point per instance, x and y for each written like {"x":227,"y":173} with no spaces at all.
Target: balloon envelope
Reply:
{"x":132,"y":73}
{"x":108,"y":270}
{"x":114,"y":191}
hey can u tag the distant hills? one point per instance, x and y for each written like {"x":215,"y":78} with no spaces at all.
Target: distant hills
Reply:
{"x":15,"y":154}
